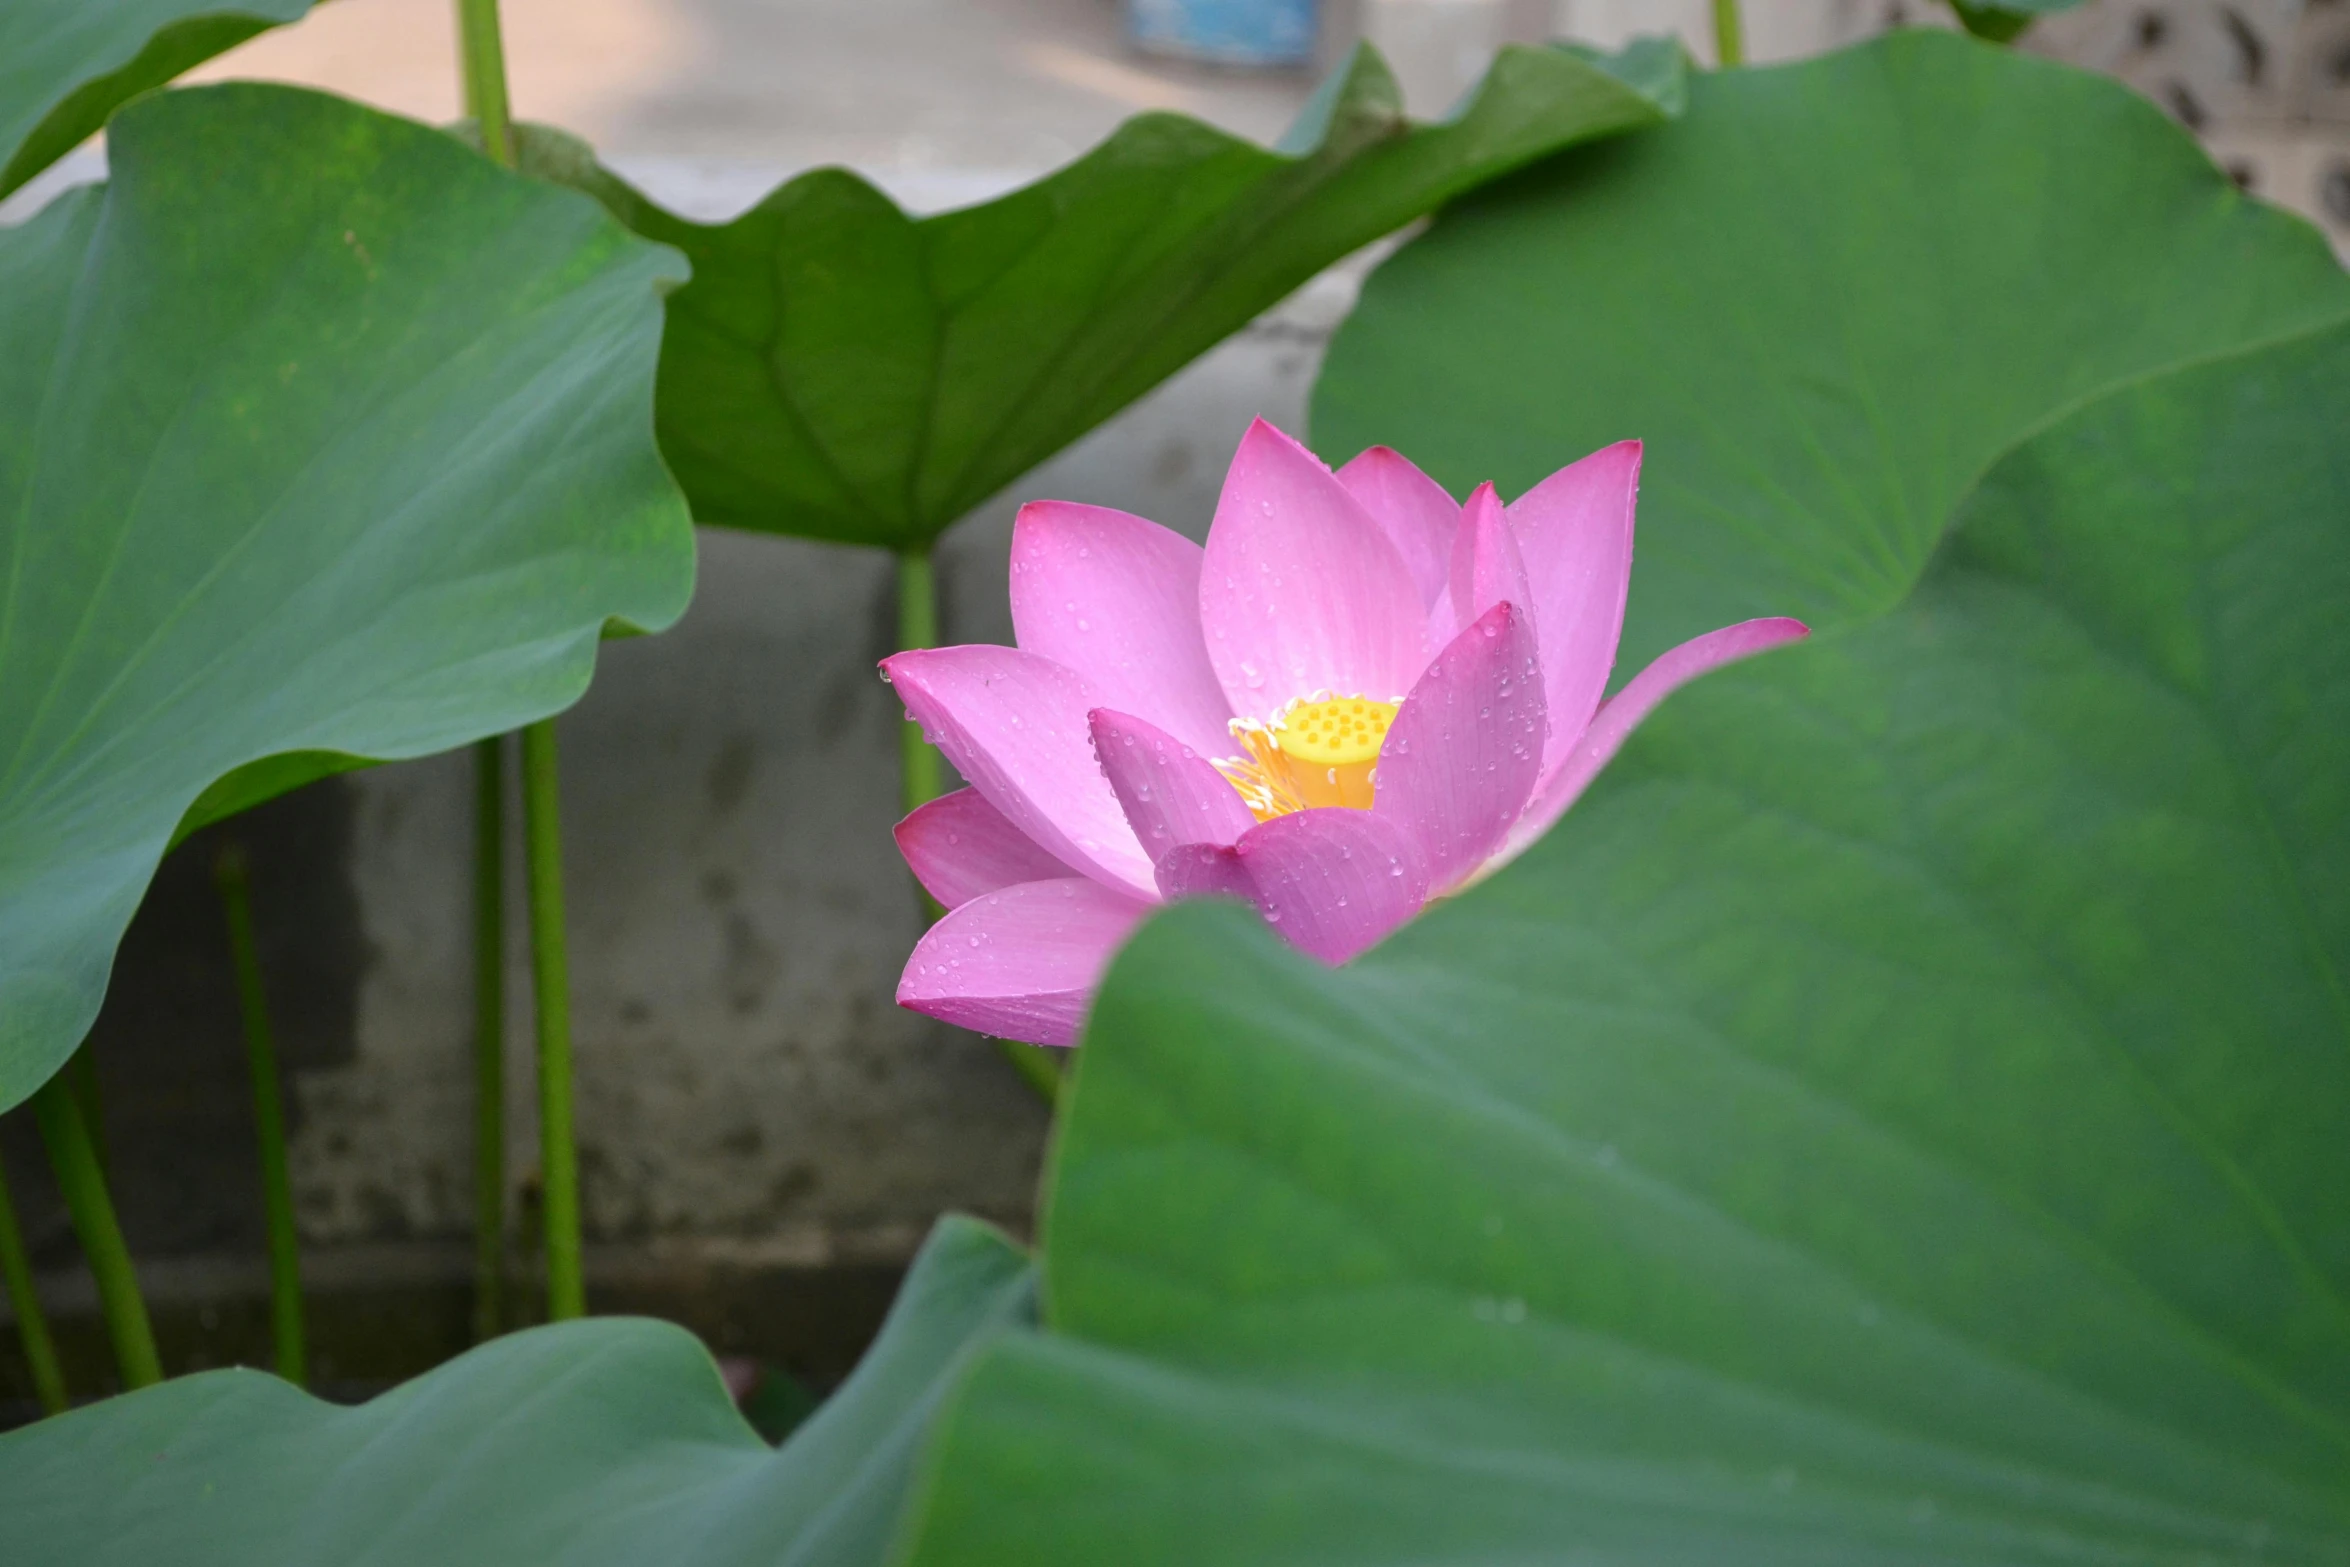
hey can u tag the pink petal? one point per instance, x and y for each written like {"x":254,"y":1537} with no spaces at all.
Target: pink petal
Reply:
{"x":1205,"y":870}
{"x":1465,"y":751}
{"x":1624,"y":711}
{"x":959,"y":846}
{"x":1414,"y":511}
{"x":1575,"y":532}
{"x":1014,"y":725}
{"x":1021,"y":962}
{"x":1116,"y":598}
{"x":1301,"y":591}
{"x":1333,"y":881}
{"x":1170,"y":793}
{"x":1486,"y":567}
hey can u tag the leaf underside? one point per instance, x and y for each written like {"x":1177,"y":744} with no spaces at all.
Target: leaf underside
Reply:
{"x":840,"y":370}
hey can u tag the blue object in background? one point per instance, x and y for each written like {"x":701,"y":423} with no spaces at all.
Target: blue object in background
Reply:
{"x":1226,"y":32}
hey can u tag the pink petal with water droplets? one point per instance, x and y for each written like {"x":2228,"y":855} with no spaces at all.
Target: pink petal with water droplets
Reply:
{"x":1170,"y":794}
{"x":1574,"y":530}
{"x":1014,"y":725}
{"x":959,"y":846}
{"x":1465,"y":750}
{"x":1333,"y":881}
{"x":1414,"y":511}
{"x":1205,"y":870}
{"x":1486,"y":567}
{"x":1116,"y":598}
{"x":1022,"y":962}
{"x":1301,"y":591}
{"x":1623,"y":712}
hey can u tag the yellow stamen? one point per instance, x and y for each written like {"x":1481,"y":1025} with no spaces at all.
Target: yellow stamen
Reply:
{"x":1311,"y":753}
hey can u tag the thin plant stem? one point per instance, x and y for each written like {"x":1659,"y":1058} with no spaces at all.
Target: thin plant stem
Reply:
{"x":489,"y":1039}
{"x":32,"y":1328}
{"x":1729,"y":35}
{"x":75,"y":1159}
{"x":484,"y":57}
{"x":230,"y":875}
{"x":924,"y":780}
{"x":920,"y":775}
{"x":81,"y":1070}
{"x":551,"y":987}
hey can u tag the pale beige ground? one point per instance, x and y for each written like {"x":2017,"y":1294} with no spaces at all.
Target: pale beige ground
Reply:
{"x":1009,"y":84}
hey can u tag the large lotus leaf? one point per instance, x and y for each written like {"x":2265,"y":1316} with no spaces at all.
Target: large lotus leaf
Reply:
{"x":323,"y":440}
{"x":65,"y":65}
{"x":1896,"y":1117}
{"x":605,"y":1441}
{"x":840,"y":370}
{"x":1827,"y":298}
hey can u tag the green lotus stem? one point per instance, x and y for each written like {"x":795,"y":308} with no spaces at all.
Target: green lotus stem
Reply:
{"x":542,"y":839}
{"x":551,"y":984}
{"x":75,"y":1159}
{"x":484,"y":54}
{"x":81,"y":1074}
{"x":32,"y":1328}
{"x":269,"y":1122}
{"x":923,"y":781}
{"x":1729,"y":36}
{"x":918,"y":760}
{"x":489,"y":1039}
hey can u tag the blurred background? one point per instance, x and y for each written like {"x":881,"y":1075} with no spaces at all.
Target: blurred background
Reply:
{"x":765,"y":1136}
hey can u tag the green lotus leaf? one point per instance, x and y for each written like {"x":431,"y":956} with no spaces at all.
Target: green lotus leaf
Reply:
{"x":605,"y":1441}
{"x":840,"y":370}
{"x":1827,"y":299}
{"x":65,"y":65}
{"x":326,"y":440}
{"x":1896,"y":1116}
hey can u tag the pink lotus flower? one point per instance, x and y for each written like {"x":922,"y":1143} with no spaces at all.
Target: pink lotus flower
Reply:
{"x":1358,"y":697}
